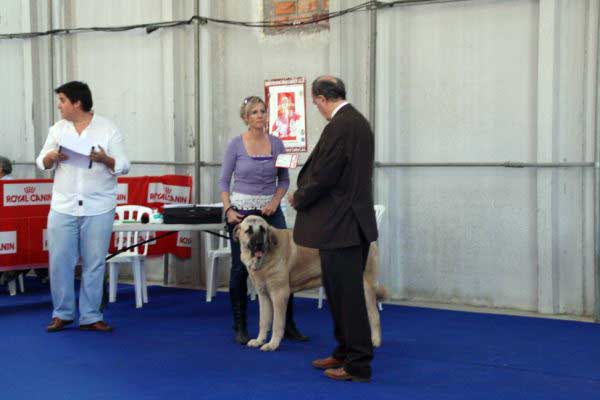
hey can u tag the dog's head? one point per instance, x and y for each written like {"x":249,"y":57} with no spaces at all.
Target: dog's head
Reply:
{"x":256,"y":238}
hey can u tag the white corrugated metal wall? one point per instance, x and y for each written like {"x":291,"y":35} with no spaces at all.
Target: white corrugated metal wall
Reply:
{"x":235,"y":62}
{"x":464,"y":81}
{"x":489,"y":81}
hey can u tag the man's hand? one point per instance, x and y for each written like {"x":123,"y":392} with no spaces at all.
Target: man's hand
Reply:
{"x":291,"y":199}
{"x":99,"y":156}
{"x":52,"y":157}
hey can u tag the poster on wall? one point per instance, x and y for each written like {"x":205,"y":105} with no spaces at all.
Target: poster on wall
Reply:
{"x":286,"y":105}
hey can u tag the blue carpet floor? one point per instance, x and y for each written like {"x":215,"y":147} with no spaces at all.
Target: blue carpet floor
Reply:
{"x":179,"y":347}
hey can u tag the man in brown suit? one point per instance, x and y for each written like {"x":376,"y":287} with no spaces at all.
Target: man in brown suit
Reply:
{"x":334,"y":201}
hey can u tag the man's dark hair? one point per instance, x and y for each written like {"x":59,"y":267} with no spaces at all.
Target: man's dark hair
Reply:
{"x":330,"y":88}
{"x":5,"y":165}
{"x":77,"y":91}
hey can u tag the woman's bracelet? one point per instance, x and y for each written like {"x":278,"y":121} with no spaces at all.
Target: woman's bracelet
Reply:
{"x":228,"y":208}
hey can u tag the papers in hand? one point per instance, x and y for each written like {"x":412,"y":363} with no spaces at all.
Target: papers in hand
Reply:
{"x":77,"y":150}
{"x":286,"y":161}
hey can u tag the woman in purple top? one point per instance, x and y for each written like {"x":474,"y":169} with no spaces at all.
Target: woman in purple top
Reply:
{"x":258,"y":187}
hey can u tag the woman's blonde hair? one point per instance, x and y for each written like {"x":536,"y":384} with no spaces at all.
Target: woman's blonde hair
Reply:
{"x":248,"y":103}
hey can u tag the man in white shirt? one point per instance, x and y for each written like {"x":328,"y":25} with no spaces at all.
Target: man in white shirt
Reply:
{"x":83,"y":205}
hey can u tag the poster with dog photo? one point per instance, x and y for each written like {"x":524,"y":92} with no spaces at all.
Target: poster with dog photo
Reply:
{"x":286,"y":105}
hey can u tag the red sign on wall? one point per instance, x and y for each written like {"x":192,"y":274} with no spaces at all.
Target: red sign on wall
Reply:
{"x":26,"y":202}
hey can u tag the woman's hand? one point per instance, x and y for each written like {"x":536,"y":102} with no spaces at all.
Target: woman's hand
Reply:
{"x":270,"y":208}
{"x":233,"y":217}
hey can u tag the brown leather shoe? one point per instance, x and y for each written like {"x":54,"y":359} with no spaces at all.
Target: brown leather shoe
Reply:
{"x":99,"y":326}
{"x":326,"y":363}
{"x":57,"y":324}
{"x":340,"y":374}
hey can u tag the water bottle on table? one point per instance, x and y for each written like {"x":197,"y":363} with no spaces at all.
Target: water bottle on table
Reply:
{"x":156,"y":217}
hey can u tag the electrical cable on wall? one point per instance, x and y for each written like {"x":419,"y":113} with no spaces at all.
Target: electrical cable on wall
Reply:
{"x":151,"y":27}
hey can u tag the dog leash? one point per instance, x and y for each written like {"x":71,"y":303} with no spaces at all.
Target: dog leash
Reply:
{"x":133,"y":246}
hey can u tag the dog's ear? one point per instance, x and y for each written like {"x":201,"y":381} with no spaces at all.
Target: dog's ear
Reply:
{"x":271,"y":238}
{"x":236,"y":233}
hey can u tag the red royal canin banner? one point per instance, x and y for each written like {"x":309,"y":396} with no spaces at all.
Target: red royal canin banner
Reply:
{"x":25,"y":204}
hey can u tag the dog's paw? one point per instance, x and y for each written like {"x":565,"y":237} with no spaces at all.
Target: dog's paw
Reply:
{"x":269,"y":347}
{"x":376,"y":340}
{"x":254,"y":343}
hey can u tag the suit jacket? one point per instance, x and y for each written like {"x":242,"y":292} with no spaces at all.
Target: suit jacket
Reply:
{"x":334,"y":198}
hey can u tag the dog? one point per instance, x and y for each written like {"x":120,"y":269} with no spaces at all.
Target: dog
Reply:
{"x":278,"y":267}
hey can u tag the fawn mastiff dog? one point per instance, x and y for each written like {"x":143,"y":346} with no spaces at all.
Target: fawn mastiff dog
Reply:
{"x":278,"y":267}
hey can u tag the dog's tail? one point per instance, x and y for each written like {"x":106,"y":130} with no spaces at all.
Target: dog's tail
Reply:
{"x":381,"y":292}
{"x":372,"y":272}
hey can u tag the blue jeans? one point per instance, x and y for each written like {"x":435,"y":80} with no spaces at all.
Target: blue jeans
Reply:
{"x":69,"y":238}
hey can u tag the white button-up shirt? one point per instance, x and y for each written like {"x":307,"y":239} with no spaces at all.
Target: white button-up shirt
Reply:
{"x":81,"y":191}
{"x":337,"y":109}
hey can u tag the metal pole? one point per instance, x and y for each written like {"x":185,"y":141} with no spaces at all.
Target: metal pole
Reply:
{"x":51,"y":62}
{"x":597,"y":229}
{"x":170,"y":163}
{"x":50,"y":53}
{"x":404,"y":3}
{"x":597,"y":189}
{"x":198,"y":245}
{"x":373,"y":84}
{"x":373,"y":68}
{"x":197,"y":154}
{"x":506,"y":164}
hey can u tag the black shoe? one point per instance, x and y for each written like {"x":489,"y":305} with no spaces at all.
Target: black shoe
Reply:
{"x":241,"y":336}
{"x":292,"y":333}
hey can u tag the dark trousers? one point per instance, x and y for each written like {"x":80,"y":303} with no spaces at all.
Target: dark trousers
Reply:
{"x":343,"y":282}
{"x":238,"y":287}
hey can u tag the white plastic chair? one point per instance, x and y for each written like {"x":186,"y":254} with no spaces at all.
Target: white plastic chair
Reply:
{"x":379,"y":211}
{"x":222,"y":250}
{"x":135,"y":256}
{"x":12,"y":285}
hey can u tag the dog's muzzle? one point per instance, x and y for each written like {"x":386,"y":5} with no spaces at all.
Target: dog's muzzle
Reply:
{"x":257,"y":246}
